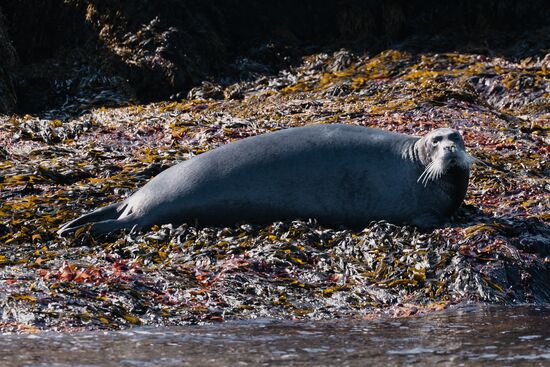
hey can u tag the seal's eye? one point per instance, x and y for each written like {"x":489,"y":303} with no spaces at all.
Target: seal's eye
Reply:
{"x":436,"y":139}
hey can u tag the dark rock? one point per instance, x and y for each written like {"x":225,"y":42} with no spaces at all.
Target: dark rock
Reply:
{"x":8,"y":62}
{"x":165,"y":48}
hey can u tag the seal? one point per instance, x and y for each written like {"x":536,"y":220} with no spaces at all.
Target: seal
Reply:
{"x":339,"y":174}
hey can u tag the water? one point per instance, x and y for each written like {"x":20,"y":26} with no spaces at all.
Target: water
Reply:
{"x":469,"y":336}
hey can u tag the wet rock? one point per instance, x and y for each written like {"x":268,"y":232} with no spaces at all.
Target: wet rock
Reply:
{"x":207,"y":90}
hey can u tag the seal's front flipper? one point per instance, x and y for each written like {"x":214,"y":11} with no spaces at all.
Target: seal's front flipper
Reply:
{"x":102,"y":214}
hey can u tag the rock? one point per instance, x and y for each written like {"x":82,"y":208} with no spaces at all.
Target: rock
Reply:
{"x":207,"y":90}
{"x":166,"y":48}
{"x":234,"y":91}
{"x":8,"y":62}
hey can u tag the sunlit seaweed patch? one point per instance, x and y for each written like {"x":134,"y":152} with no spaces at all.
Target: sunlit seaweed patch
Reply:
{"x":495,"y":250}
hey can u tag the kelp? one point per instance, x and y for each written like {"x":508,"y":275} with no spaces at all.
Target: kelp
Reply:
{"x":496,"y":248}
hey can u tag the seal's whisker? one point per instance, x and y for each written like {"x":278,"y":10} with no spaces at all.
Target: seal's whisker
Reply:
{"x":425,"y":178}
{"x":422,"y":175}
{"x":425,"y":173}
{"x":182,"y":193}
{"x":466,"y":160}
{"x":429,"y":173}
{"x":433,"y":174}
{"x":436,"y":170}
{"x":433,"y":170}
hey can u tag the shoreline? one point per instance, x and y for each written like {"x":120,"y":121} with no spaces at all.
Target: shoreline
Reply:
{"x":496,"y":250}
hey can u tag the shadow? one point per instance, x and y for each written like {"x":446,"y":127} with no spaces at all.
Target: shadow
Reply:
{"x":82,"y":54}
{"x":527,"y":234}
{"x":510,"y":252}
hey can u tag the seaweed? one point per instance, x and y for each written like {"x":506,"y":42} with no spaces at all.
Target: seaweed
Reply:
{"x":496,"y":249}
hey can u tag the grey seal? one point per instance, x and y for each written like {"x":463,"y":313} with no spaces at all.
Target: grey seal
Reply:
{"x":339,"y":174}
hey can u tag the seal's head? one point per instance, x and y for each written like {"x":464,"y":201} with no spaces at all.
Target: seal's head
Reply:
{"x":441,"y":150}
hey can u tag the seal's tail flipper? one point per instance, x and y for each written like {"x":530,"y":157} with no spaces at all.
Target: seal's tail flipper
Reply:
{"x":106,"y":214}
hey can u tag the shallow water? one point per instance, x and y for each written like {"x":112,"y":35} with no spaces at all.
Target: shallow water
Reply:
{"x":470,"y":336}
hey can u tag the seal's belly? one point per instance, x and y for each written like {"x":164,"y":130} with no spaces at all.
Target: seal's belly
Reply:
{"x":313,"y":185}
{"x":340,"y":174}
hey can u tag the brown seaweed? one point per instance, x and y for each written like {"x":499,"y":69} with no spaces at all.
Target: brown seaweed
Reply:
{"x":496,"y":249}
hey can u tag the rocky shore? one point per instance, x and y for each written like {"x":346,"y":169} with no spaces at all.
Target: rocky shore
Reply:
{"x":92,"y":137}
